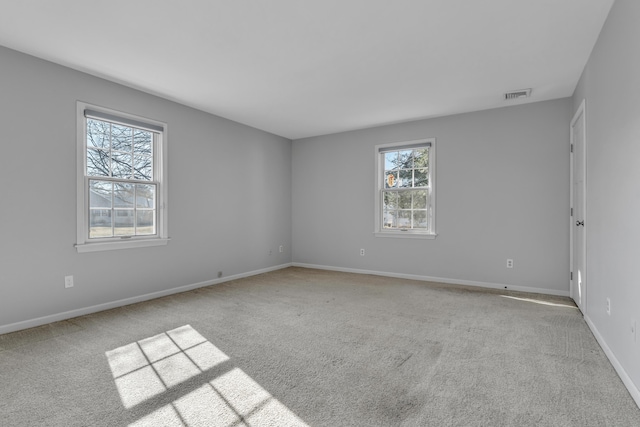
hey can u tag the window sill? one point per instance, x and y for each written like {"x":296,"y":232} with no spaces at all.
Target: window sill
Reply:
{"x":124,"y":244}
{"x":404,"y":235}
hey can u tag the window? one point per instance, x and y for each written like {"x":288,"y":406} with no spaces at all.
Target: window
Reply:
{"x":405,"y":189}
{"x":121,"y":191}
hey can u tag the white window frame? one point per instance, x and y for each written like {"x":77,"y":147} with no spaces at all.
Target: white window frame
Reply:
{"x":379,"y":231}
{"x":83,"y":243}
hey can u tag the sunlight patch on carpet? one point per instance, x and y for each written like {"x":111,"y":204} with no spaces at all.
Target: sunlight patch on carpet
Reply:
{"x":541,"y":302}
{"x":150,"y":367}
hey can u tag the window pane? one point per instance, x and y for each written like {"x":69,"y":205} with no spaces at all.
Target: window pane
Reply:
{"x":142,"y":167}
{"x":100,"y":223}
{"x":97,"y":162}
{"x":100,"y":193}
{"x":390,"y":200}
{"x":121,"y":165}
{"x":421,"y":178}
{"x":123,"y":222}
{"x":391,"y":180}
{"x":421,"y":158}
{"x":122,"y":195}
{"x":390,"y":160}
{"x":121,"y":138}
{"x":419,"y":219}
{"x":405,"y":159}
{"x":145,"y":222}
{"x":419,"y":199}
{"x":98,"y":134}
{"x":404,"y":200}
{"x":142,"y":141}
{"x":389,"y":219}
{"x":145,"y":196}
{"x":406,"y":178}
{"x":404,"y":219}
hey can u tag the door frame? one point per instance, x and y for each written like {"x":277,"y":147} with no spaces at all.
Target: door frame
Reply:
{"x":581,"y":111}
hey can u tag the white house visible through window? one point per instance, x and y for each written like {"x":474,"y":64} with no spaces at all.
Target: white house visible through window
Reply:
{"x":121,"y":193}
{"x":405,"y":189}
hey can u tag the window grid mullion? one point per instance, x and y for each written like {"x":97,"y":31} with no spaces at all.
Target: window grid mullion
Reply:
{"x":135,"y":205}
{"x":411,"y":212}
{"x":113,"y":210}
{"x":131,"y":158}
{"x":111,"y":152}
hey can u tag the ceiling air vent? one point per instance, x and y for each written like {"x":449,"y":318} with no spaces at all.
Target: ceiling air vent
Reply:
{"x":522,"y":93}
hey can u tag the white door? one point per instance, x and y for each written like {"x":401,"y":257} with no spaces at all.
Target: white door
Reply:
{"x":578,"y":256}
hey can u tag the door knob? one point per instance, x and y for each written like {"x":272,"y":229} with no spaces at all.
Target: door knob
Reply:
{"x":580,"y":223}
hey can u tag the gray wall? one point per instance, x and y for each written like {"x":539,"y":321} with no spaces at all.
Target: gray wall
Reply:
{"x":502,"y":192}
{"x":611,"y":86}
{"x":229,"y":195}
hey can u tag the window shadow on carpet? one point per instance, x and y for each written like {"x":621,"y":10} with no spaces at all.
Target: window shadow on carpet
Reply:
{"x":180,"y":378}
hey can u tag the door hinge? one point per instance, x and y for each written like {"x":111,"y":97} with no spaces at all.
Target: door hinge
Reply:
{"x":572,"y":148}
{"x":571,"y":211}
{"x":572,"y":275}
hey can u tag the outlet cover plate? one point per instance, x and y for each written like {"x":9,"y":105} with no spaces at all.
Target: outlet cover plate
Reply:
{"x":68,"y":281}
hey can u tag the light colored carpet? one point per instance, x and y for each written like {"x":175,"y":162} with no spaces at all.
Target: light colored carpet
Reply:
{"x":318,"y":348}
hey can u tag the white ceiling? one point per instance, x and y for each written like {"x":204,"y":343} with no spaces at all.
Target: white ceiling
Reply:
{"x":300,"y":68}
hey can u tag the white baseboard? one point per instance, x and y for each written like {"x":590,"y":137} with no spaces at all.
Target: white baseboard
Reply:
{"x":31,"y":323}
{"x":438,"y":279}
{"x":633,"y":389}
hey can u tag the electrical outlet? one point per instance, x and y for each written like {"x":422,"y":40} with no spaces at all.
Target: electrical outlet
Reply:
{"x":281,"y":249}
{"x":219,"y":274}
{"x":608,"y":308}
{"x":509,"y":263}
{"x":68,"y":281}
{"x":362,"y":252}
